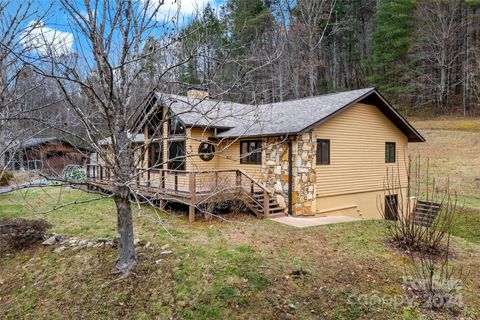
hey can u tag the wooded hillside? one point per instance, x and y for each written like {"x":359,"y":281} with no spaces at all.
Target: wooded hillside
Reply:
{"x":423,"y":55}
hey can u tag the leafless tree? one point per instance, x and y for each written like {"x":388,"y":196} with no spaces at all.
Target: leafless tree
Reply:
{"x":439,"y":47}
{"x":98,"y":78}
{"x":104,"y":84}
{"x":13,"y":89}
{"x":310,"y":25}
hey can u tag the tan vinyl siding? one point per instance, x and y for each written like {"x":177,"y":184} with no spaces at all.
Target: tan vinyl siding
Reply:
{"x":195,"y":136}
{"x":227,"y":154}
{"x":229,"y":158}
{"x":357,"y":151}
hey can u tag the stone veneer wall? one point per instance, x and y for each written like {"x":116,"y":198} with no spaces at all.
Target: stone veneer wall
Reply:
{"x":304,"y":177}
{"x":275,"y":172}
{"x":275,"y":168}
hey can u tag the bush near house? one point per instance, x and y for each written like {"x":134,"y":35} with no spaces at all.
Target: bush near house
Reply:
{"x":20,"y":233}
{"x":5,"y":176}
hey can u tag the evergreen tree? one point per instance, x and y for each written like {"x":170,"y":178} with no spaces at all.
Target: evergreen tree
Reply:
{"x":391,"y":41}
{"x":202,"y":42}
{"x":247,"y":20}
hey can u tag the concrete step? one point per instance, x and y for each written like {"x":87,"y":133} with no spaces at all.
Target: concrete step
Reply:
{"x":276,"y":215}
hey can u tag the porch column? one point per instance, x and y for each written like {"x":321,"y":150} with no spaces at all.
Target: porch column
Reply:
{"x":191,"y":207}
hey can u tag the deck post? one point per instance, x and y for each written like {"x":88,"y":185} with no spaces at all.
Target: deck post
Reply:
{"x":266,"y":203}
{"x":239,"y":178}
{"x":191,"y":213}
{"x":162,"y":178}
{"x":191,"y":207}
{"x":148,"y":177}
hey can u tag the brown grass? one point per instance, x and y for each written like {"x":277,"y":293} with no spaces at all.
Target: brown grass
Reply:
{"x":453,"y":150}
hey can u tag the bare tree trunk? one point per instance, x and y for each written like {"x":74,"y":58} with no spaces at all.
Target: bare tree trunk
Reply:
{"x":21,"y":159}
{"x":127,"y":258}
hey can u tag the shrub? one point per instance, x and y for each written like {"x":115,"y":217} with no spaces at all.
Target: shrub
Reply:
{"x":55,"y":166}
{"x":74,"y":172}
{"x":19,"y":233}
{"x":5,"y":176}
{"x":433,"y":283}
{"x":408,"y":230}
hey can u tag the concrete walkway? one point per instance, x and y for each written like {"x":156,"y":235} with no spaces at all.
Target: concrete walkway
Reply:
{"x":304,"y":222}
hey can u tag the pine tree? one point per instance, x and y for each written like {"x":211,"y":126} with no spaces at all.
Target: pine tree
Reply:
{"x":391,"y":41}
{"x":202,"y":41}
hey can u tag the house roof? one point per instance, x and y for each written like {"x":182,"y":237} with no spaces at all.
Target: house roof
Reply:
{"x":134,"y":138}
{"x":41,"y":140}
{"x":282,"y":118}
{"x":34,"y":141}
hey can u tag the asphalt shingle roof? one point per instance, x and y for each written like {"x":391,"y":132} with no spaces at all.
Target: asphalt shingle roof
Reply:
{"x":280,"y":118}
{"x":37,"y":140}
{"x":265,"y":119}
{"x":40,"y":140}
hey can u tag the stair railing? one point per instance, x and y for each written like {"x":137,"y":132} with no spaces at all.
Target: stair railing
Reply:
{"x":251,"y":188}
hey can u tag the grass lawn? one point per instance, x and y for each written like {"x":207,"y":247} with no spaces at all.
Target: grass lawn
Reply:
{"x":453,"y":151}
{"x":241,"y":269}
{"x":244,"y":269}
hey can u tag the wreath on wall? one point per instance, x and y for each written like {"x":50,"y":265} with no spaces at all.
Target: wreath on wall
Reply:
{"x":206,"y":151}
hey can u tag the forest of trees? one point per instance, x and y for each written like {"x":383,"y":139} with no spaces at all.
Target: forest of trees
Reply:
{"x":423,"y":55}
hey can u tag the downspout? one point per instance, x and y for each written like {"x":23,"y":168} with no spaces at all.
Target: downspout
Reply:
{"x":290,"y":177}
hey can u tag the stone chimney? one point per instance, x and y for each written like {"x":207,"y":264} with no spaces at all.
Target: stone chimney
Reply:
{"x":197,"y":92}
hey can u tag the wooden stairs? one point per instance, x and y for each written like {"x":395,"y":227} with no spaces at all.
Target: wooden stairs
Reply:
{"x":274,"y":209}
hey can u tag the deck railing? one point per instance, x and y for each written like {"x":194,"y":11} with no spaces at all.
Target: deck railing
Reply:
{"x":192,"y":184}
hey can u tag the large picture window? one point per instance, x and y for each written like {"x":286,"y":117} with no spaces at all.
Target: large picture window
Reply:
{"x":251,"y":152}
{"x":155,"y":155}
{"x":176,"y":155}
{"x":154,"y":125}
{"x":323,"y":151}
{"x":176,"y":126}
{"x":390,"y":152}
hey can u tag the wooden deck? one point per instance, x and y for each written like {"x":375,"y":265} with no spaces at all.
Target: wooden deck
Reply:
{"x":193,"y":187}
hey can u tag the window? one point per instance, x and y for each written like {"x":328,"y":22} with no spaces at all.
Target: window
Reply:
{"x":155,"y":119}
{"x":55,"y":154}
{"x":154,"y":125}
{"x":206,"y":151}
{"x":176,"y":155}
{"x":389,"y":152}
{"x":176,"y":126}
{"x":391,"y":207}
{"x":155,"y":155}
{"x":323,"y":151}
{"x":251,"y":152}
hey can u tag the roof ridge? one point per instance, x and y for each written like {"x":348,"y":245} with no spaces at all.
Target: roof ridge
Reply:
{"x":319,"y":96}
{"x":266,"y":104}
